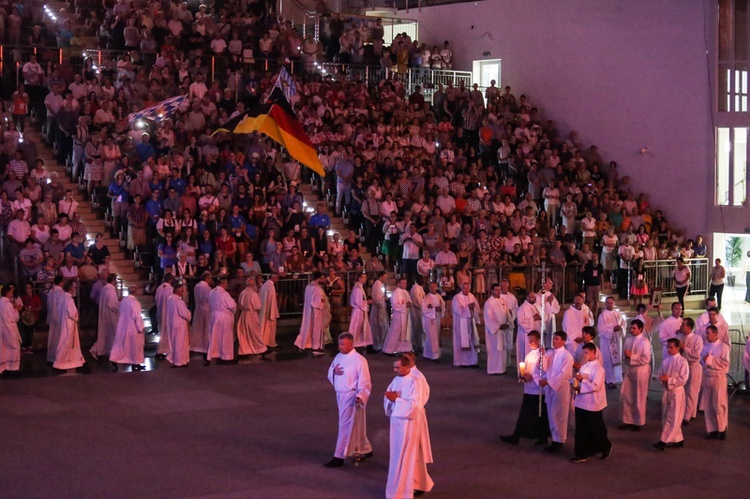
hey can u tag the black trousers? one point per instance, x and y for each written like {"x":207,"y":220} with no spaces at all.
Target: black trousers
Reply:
{"x":681,"y":295}
{"x":530,"y":424}
{"x":716,"y":290}
{"x":591,"y":433}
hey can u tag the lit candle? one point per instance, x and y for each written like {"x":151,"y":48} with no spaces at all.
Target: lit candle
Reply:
{"x":522,"y":368}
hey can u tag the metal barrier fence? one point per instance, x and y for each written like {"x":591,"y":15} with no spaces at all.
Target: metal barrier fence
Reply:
{"x":658,"y":274}
{"x":737,"y":377}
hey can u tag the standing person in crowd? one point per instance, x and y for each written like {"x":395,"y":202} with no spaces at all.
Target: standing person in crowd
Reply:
{"x":402,"y":405}
{"x":249,"y":333}
{"x":178,"y":324}
{"x":399,"y":337}
{"x":530,"y":423}
{"x":611,"y":325}
{"x":558,"y":368}
{"x":32,"y":308}
{"x":109,"y":308}
{"x":670,"y":327}
{"x":269,"y":311}
{"x":714,"y":398}
{"x":314,"y":321}
{"x":10,"y":348}
{"x":433,"y":306}
{"x":200,"y":333}
{"x":590,"y":401}
{"x":359,"y":323}
{"x":712,"y":315}
{"x":575,"y":318}
{"x":718,"y":274}
{"x":349,"y":374}
{"x":691,"y":346}
{"x":129,"y":337}
{"x":592,"y":279}
{"x":417,"y":294}
{"x":221,"y":323}
{"x":673,"y":374}
{"x":378,"y":312}
{"x":529,"y":318}
{"x":163,"y":292}
{"x":53,"y":320}
{"x":498,"y":328}
{"x":681,"y":275}
{"x":634,"y":390}
{"x":465,"y":309}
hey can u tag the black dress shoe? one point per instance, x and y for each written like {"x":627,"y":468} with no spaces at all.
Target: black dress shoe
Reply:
{"x":138,"y":367}
{"x":366,"y":456}
{"x":541,"y":441}
{"x":624,"y":426}
{"x":722,"y":435}
{"x":160,"y":356}
{"x":635,"y":428}
{"x":685,"y":422}
{"x":510,"y":439}
{"x":660,"y":445}
{"x":418,"y":493}
{"x":607,"y":453}
{"x":553,"y":447}
{"x":714,"y":435}
{"x":114,"y":367}
{"x":336,"y":462}
{"x":676,"y":445}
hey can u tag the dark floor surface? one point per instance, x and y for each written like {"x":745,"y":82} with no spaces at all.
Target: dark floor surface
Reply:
{"x":263,"y":427}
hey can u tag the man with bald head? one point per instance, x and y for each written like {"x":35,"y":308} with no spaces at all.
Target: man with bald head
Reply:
{"x":129,"y":337}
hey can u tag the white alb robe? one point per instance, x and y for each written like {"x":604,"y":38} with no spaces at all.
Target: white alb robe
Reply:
{"x":399,"y":334}
{"x":109,"y":308}
{"x":249,"y":337}
{"x":465,"y":335}
{"x":354,"y":382}
{"x":221,"y":324}
{"x":668,"y":329}
{"x":526,"y":323}
{"x":359,"y":323}
{"x":634,"y":390}
{"x":692,"y":348}
{"x":551,"y":309}
{"x":512,"y":303}
{"x":431,"y":324}
{"x":163,"y":292}
{"x":721,"y":324}
{"x":53,"y":337}
{"x":558,"y":368}
{"x":313,"y":321}
{"x":178,"y":322}
{"x":199,"y":333}
{"x":673,"y":399}
{"x":129,"y":339}
{"x":10,"y":338}
{"x":714,"y":397}
{"x":497,"y":340}
{"x":269,"y":313}
{"x":422,"y":479}
{"x":573,"y":322}
{"x":610,"y":342}
{"x":404,"y":436}
{"x":68,"y":354}
{"x":378,"y":315}
{"x":417,"y":295}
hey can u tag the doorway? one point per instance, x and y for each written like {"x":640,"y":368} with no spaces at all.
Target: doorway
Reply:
{"x":484,"y":71}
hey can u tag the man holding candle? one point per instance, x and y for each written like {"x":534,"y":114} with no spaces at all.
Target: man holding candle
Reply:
{"x":590,"y":401}
{"x":530,"y":423}
{"x":529,"y":319}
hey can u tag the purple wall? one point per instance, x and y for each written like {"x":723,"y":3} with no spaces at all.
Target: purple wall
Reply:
{"x":624,"y":74}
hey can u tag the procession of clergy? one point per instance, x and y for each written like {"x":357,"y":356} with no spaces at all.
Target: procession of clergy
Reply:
{"x":570,"y":375}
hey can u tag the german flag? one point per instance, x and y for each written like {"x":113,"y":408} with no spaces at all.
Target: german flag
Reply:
{"x":276,"y":120}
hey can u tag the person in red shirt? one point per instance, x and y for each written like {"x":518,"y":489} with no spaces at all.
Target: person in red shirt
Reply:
{"x":32,"y":307}
{"x":226,"y":244}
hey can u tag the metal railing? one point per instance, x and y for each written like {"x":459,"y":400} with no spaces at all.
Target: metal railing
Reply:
{"x":737,"y":377}
{"x":658,"y":274}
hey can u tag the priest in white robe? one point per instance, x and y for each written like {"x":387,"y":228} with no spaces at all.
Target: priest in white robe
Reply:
{"x":129,"y":337}
{"x":402,"y":405}
{"x":68,"y":354}
{"x":611,"y":325}
{"x":692,"y":346}
{"x":715,"y":362}
{"x":53,"y":336}
{"x":178,"y":321}
{"x":163,"y":292}
{"x":713,"y":318}
{"x":551,"y":309}
{"x":311,"y":332}
{"x":433,"y":306}
{"x":399,"y":334}
{"x":221,"y":323}
{"x":109,"y":308}
{"x":465,"y":310}
{"x":422,"y":480}
{"x":512,"y":304}
{"x":269,"y":311}
{"x":416,"y":293}
{"x":574,"y":319}
{"x":378,"y":312}
{"x":650,"y":326}
{"x":634,"y":389}
{"x":670,"y":327}
{"x":359,"y":323}
{"x":558,"y":369}
{"x":673,"y":374}
{"x":10,"y":338}
{"x":349,"y":374}
{"x":498,"y":331}
{"x":199,"y":333}
{"x":528,"y":319}
{"x":249,"y":338}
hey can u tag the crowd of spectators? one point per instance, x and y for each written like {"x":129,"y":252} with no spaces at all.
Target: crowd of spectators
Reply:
{"x":444,"y":188}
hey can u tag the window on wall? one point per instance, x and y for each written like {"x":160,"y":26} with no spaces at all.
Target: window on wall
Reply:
{"x":733,"y":55}
{"x":731,"y":166}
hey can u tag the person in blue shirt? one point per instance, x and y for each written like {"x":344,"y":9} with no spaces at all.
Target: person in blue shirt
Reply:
{"x":167,"y":252}
{"x":320,"y":219}
{"x":178,"y":183}
{"x":237,"y":222}
{"x":76,"y":249}
{"x":145,"y":150}
{"x":154,"y":207}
